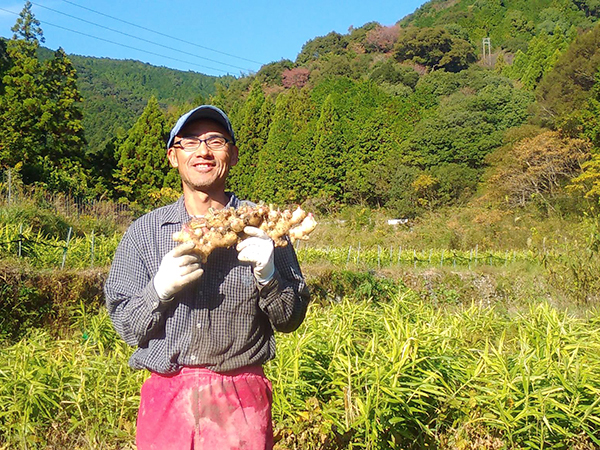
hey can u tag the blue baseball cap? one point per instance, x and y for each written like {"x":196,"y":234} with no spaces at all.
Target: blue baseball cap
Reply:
{"x":202,"y":112}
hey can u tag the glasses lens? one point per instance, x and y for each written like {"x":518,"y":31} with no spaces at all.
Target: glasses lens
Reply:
{"x":189,"y":143}
{"x":213,"y":143}
{"x":216,"y":143}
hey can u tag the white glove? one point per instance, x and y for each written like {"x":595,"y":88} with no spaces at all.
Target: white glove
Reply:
{"x":177,"y":269}
{"x":258,"y":250}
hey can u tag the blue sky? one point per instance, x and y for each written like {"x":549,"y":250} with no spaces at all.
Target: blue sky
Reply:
{"x":215,"y":38}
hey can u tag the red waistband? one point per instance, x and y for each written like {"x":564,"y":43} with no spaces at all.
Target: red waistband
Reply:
{"x":249,"y":370}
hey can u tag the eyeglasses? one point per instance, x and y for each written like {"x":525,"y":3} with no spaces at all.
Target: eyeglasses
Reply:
{"x":192,"y":143}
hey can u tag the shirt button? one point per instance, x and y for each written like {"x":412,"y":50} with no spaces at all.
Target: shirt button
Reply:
{"x":193,"y":357}
{"x":198,"y":325}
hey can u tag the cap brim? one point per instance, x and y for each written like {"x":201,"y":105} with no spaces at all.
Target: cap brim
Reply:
{"x":201,"y":112}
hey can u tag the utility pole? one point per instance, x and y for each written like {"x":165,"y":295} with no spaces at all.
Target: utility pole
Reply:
{"x":487,"y":51}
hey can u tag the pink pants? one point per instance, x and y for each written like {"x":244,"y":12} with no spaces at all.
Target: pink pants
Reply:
{"x":200,"y":409}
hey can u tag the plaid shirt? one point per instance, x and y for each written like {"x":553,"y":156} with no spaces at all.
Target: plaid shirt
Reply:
{"x":223,"y":321}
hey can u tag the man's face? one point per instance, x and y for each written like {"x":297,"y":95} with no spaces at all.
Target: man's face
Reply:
{"x":203,"y":169}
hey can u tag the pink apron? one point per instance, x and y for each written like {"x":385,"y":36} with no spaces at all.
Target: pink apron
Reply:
{"x":200,"y":409}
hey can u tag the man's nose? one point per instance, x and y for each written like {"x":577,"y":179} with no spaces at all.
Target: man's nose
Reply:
{"x":202,"y":149}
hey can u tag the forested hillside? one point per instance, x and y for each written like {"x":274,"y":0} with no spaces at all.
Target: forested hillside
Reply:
{"x":410,"y":117}
{"x":115,"y":92}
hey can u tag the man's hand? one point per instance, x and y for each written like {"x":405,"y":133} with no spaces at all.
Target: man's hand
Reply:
{"x":257,"y":249}
{"x":178,"y":268}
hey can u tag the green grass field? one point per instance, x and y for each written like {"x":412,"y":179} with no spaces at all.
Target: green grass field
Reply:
{"x":393,"y":373}
{"x":456,"y":336}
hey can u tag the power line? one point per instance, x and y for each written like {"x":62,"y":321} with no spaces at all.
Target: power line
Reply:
{"x":123,"y":45}
{"x":162,"y":34}
{"x":139,"y":38}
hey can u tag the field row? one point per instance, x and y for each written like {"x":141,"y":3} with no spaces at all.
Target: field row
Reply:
{"x":79,"y":252}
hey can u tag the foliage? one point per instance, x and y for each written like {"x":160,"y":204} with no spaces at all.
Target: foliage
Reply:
{"x":569,"y":85}
{"x":541,"y":56}
{"x":271,"y":74}
{"x":466,"y":127}
{"x":142,"y":166}
{"x":434,"y":48}
{"x":536,"y":168}
{"x":282,"y":174}
{"x":509,"y":24}
{"x":386,"y":71}
{"x":251,"y":137}
{"x":381,"y":39}
{"x":115,"y":93}
{"x":393,"y":116}
{"x":393,"y":373}
{"x":331,"y":44}
{"x":297,"y":77}
{"x":40,"y":118}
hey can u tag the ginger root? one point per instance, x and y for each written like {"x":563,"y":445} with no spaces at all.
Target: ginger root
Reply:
{"x":225,"y":227}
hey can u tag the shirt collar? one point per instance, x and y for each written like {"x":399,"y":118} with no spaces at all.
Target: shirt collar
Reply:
{"x":176,"y":212}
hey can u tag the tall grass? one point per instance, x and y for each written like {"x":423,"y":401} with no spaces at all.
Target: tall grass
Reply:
{"x":71,"y":393}
{"x":404,"y":375}
{"x":395,"y":374}
{"x":43,"y":251}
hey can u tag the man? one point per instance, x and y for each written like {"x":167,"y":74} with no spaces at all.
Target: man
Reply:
{"x":203,"y":330}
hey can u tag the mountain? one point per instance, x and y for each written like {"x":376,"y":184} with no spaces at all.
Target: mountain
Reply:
{"x":115,"y":92}
{"x":409,"y":116}
{"x":510,"y":24}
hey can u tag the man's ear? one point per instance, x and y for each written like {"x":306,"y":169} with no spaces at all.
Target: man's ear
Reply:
{"x":172,"y":155}
{"x":233,"y":160}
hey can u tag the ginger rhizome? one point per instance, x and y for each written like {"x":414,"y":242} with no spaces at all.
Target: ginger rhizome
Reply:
{"x":225,"y":227}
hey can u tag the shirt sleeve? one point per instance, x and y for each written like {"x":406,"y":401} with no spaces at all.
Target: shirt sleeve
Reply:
{"x":284,"y":299}
{"x":132,"y":302}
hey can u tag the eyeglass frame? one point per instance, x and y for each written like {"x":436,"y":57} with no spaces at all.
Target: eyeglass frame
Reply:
{"x":200,"y":141}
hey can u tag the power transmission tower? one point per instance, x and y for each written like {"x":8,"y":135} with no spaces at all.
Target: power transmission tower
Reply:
{"x":487,"y":51}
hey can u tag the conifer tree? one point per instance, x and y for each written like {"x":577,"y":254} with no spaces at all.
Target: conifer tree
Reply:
{"x":251,"y":138}
{"x":284,"y":163}
{"x":329,"y":153}
{"x":142,"y":166}
{"x":40,"y":120}
{"x":21,"y":137}
{"x":368,"y":152}
{"x":61,"y":122}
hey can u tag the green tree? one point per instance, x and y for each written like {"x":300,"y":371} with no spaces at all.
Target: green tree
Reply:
{"x":435,"y":48}
{"x":143,"y":168}
{"x":389,"y":71}
{"x":4,"y":63}
{"x":333,"y":43}
{"x":541,"y":56}
{"x":329,"y":153}
{"x":22,"y":140}
{"x":283,"y":174}
{"x":41,"y":124}
{"x":568,"y":86}
{"x":270,"y":74}
{"x":251,"y":137}
{"x":367,"y":159}
{"x":585,"y":123}
{"x":61,"y":122}
{"x":467,"y":127}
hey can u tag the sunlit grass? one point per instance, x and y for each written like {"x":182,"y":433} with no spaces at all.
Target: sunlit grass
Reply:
{"x":395,"y":374}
